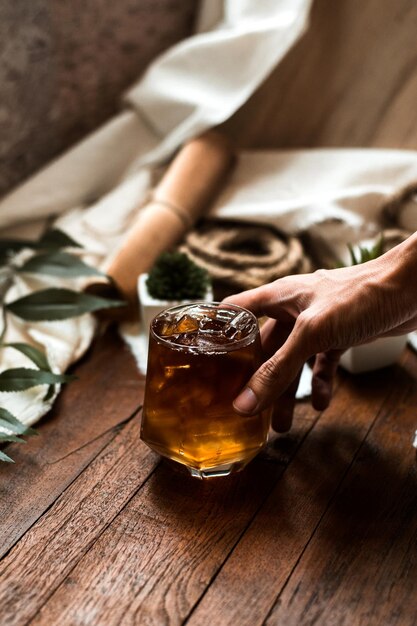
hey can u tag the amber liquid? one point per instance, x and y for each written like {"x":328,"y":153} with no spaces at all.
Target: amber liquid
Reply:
{"x":188,"y":414}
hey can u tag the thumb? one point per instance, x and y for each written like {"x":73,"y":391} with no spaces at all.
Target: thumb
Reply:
{"x":273,"y":377}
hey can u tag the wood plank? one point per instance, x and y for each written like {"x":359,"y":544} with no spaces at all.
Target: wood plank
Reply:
{"x":269,"y":550}
{"x":83,"y":420}
{"x":158,"y":556}
{"x":36,"y":566}
{"x":350,"y":81}
{"x":361,"y":566}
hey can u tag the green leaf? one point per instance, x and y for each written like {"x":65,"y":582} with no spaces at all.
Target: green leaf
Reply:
{"x":49,"y":393}
{"x":5,"y":458}
{"x":15,"y":245}
{"x":378,"y":248}
{"x":10,"y":439}
{"x":9,"y":247}
{"x":58,"y":304}
{"x":36,"y":356}
{"x":58,"y":264}
{"x":365,"y":254}
{"x":55,"y":238}
{"x":353,"y":258}
{"x":9,"y":421}
{"x":21,"y":378}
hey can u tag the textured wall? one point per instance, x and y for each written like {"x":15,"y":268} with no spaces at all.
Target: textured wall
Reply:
{"x":63,"y":64}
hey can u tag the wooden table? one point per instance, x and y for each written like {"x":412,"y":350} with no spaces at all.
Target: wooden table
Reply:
{"x":321,"y":528}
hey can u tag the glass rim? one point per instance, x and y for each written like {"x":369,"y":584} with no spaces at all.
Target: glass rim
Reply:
{"x":230,"y":346}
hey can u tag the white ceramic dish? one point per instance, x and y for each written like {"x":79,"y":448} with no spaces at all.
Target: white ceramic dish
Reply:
{"x":374,"y":355}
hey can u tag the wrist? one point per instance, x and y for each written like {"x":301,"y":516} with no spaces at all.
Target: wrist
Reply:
{"x":401,"y":262}
{"x":394,"y":275}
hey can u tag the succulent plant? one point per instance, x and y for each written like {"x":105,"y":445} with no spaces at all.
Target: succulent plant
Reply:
{"x":365,"y":253}
{"x":176,"y":277}
{"x":362,"y":254}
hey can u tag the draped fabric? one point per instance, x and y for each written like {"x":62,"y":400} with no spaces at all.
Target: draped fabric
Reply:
{"x":95,"y":190}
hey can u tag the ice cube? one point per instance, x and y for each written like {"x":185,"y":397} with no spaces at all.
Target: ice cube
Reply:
{"x":210,"y":325}
{"x":232,"y":333}
{"x":240,"y":326}
{"x":186,"y":324}
{"x":186,"y":339}
{"x":166,"y":328}
{"x":193,"y":311}
{"x":240,"y":320}
{"x":211,"y":340}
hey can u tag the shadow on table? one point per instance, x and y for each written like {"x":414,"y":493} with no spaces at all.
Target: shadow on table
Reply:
{"x":357,"y":484}
{"x":354,"y":485}
{"x":174,"y":490}
{"x":320,"y":513}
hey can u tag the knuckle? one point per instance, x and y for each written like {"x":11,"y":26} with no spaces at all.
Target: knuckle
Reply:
{"x":309,"y":329}
{"x":304,"y":319}
{"x":323,"y":278}
{"x":267,"y":373}
{"x":321,"y":273}
{"x":307,"y":322}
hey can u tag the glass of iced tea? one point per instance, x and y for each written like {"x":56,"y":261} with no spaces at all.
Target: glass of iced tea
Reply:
{"x":200,"y":357}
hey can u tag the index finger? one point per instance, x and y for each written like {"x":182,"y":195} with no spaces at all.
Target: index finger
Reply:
{"x":254,"y":299}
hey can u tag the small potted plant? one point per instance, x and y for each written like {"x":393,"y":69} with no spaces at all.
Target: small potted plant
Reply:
{"x":174,"y":279}
{"x":383,"y":351}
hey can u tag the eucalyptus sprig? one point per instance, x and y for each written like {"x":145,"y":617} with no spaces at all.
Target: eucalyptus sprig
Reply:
{"x":50,"y":257}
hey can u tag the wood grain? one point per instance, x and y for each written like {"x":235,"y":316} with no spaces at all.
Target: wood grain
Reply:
{"x":265,"y":557}
{"x":159,"y":554}
{"x":361,"y":565}
{"x":52,"y":548}
{"x":321,"y":528}
{"x":84,"y":419}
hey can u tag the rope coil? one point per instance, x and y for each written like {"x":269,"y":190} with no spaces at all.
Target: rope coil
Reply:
{"x":243,"y":255}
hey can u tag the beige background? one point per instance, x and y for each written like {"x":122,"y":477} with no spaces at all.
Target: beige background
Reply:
{"x":350,"y":81}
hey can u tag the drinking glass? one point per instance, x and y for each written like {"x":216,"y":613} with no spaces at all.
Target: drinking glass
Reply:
{"x":200,"y":357}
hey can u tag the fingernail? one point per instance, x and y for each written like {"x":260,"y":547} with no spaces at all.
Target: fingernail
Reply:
{"x":246,"y":402}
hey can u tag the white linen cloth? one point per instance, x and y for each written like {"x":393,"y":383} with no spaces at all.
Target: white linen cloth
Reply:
{"x":336,"y":195}
{"x":99,"y":185}
{"x":95,"y":190}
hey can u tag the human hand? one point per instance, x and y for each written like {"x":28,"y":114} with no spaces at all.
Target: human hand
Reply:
{"x":318,"y":316}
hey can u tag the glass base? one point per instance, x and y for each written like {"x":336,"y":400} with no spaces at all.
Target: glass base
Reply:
{"x":217,"y":472}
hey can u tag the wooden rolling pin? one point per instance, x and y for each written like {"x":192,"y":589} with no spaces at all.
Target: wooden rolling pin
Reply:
{"x":190,"y":183}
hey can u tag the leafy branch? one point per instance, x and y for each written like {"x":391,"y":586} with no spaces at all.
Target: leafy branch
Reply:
{"x":50,"y":258}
